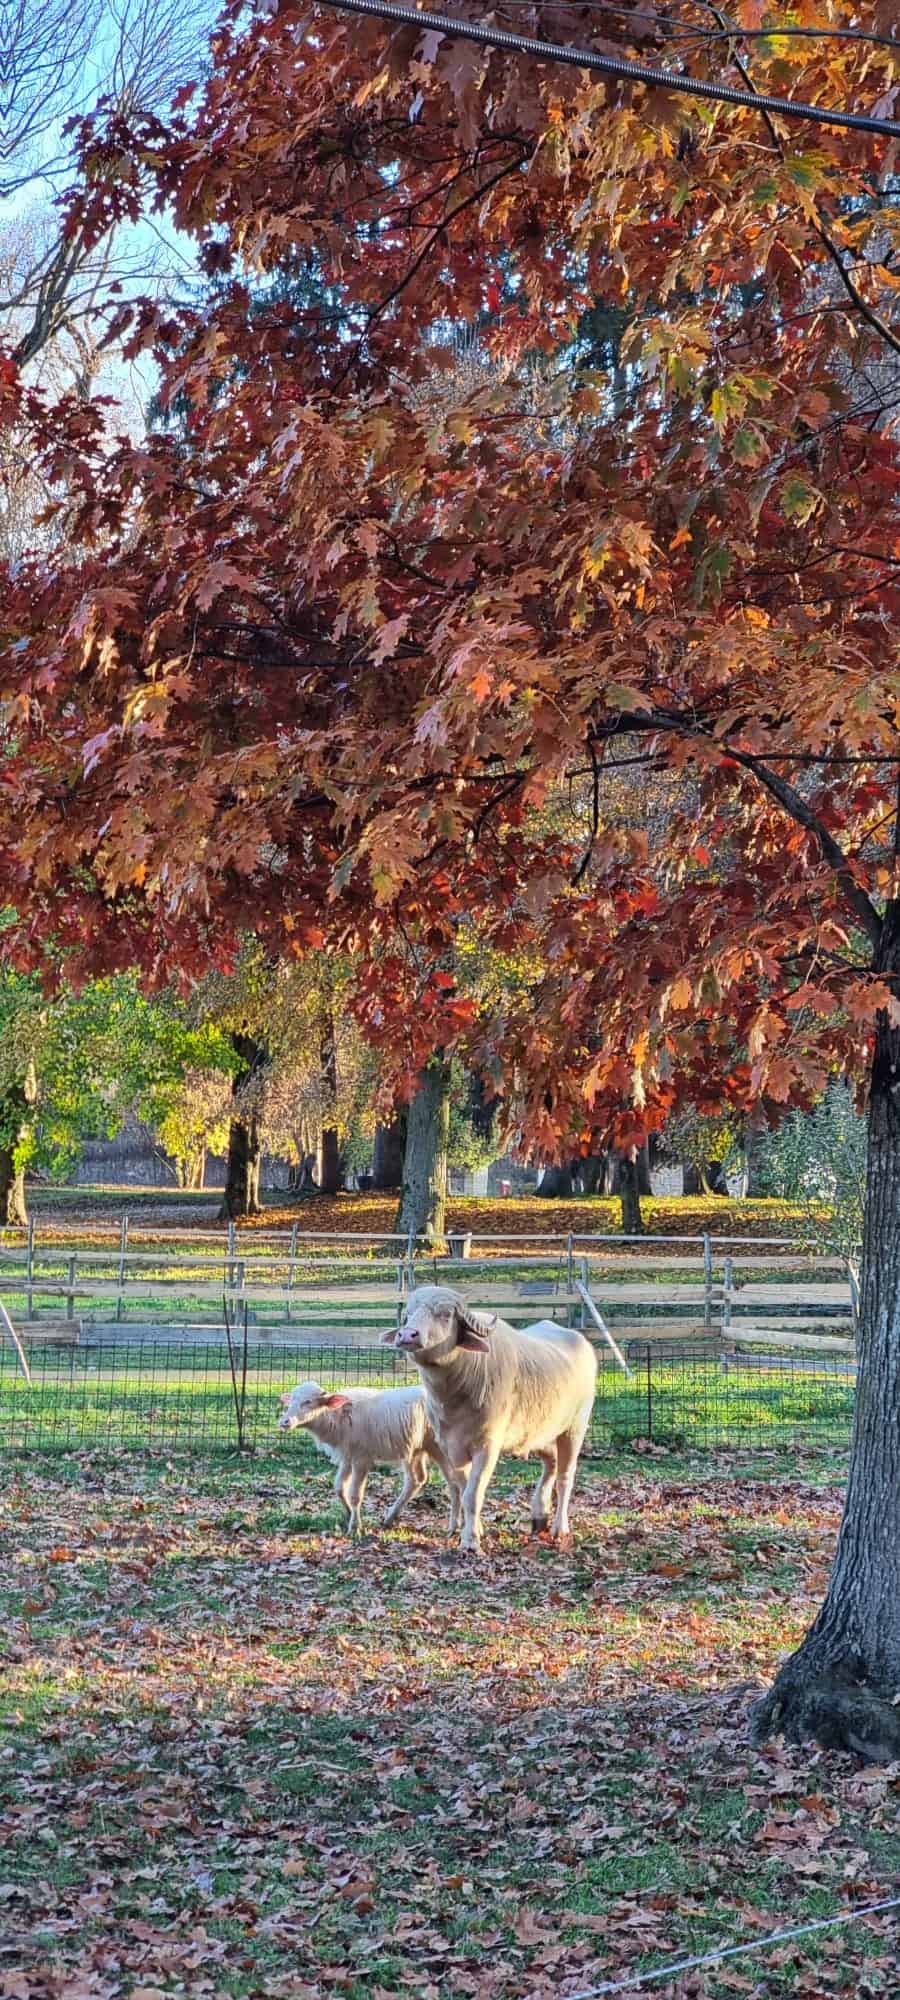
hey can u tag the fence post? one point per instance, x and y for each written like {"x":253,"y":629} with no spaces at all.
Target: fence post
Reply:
{"x":649,"y":1374}
{"x":70,"y":1300}
{"x":290,"y":1283}
{"x":29,"y":1268}
{"x":584,"y":1279}
{"x":726,"y":1295}
{"x":229,"y":1267}
{"x":707,"y":1281}
{"x":570,"y":1266}
{"x":123,"y":1250}
{"x":411,"y":1259}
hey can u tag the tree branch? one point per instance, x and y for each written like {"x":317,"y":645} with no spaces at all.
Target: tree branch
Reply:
{"x":656,"y":721}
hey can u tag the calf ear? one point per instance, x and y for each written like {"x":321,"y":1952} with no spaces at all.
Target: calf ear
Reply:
{"x":473,"y":1328}
{"x":285,"y":1399}
{"x":389,"y":1339}
{"x":335,"y":1402}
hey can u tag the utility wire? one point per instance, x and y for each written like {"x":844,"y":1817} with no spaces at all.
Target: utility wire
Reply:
{"x":736,"y":1950}
{"x":590,"y":59}
{"x":694,"y":31}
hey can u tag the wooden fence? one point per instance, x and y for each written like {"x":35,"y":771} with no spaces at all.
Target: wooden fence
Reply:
{"x":331,"y":1285}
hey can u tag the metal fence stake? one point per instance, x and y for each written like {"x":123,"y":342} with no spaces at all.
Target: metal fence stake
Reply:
{"x":290,"y":1283}
{"x":123,"y":1252}
{"x":707,"y":1282}
{"x":29,"y":1273}
{"x":649,"y":1367}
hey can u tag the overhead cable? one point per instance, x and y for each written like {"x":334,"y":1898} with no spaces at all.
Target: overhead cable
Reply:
{"x":614,"y":66}
{"x":694,"y":31}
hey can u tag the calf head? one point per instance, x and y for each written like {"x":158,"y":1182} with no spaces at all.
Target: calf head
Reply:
{"x":300,"y":1405}
{"x":436,"y":1322}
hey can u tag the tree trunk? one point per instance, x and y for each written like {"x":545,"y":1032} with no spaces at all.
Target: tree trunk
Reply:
{"x":630,"y":1194}
{"x":390,"y":1146}
{"x":332,"y":1175}
{"x":841,"y":1686}
{"x":16,"y":1113}
{"x":12,"y":1188}
{"x":642,"y":1166}
{"x":423,"y":1195}
{"x":755,"y":1135}
{"x":556,"y":1184}
{"x":241,"y":1196}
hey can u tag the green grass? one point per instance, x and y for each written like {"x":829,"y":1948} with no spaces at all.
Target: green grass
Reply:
{"x":166,"y":1397}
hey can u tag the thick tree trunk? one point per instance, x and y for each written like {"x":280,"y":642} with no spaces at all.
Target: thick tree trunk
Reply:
{"x":630,"y":1195}
{"x":16,"y":1113}
{"x":755,"y":1132}
{"x":642,"y":1168}
{"x":331,"y":1169}
{"x":423,"y":1195}
{"x":390,"y":1146}
{"x":12,"y":1188}
{"x":841,"y":1686}
{"x":241,"y":1196}
{"x":332,"y":1175}
{"x":556,"y":1184}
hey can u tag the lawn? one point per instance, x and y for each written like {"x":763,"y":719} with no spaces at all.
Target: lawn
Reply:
{"x":243,"y":1757}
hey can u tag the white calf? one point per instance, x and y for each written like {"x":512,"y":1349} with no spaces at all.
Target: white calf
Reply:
{"x":361,"y":1428}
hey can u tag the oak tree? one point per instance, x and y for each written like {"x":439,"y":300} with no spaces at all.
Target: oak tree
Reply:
{"x":312,"y":664}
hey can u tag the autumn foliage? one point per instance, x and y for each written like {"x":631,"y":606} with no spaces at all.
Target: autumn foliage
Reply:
{"x":319,"y":654}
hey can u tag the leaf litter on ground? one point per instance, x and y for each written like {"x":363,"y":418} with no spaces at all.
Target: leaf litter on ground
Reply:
{"x":243,"y":1756}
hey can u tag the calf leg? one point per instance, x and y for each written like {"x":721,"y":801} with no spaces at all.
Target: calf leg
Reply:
{"x":543,"y":1492}
{"x":342,"y":1488}
{"x":480,"y":1472}
{"x":567,"y":1449}
{"x":358,"y":1483}
{"x":415,"y":1476}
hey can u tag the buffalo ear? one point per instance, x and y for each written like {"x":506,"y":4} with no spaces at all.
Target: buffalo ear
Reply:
{"x":473,"y":1328}
{"x":389,"y":1338}
{"x":285,"y":1399}
{"x":335,"y":1401}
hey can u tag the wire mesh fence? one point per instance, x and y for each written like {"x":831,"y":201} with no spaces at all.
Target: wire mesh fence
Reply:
{"x":162,"y":1397}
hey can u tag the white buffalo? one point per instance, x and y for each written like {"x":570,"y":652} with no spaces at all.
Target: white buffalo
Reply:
{"x":493,"y":1388}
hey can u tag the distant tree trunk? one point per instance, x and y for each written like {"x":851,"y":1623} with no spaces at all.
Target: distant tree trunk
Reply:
{"x":755,"y":1131}
{"x":841,"y":1685}
{"x":423,"y":1194}
{"x":332,"y":1175}
{"x":390,"y":1146}
{"x":556,"y":1184}
{"x":331,"y":1170}
{"x":630,"y":1194}
{"x":16,"y":1112}
{"x":643,"y":1169}
{"x":241,"y":1196}
{"x":12,"y":1188}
